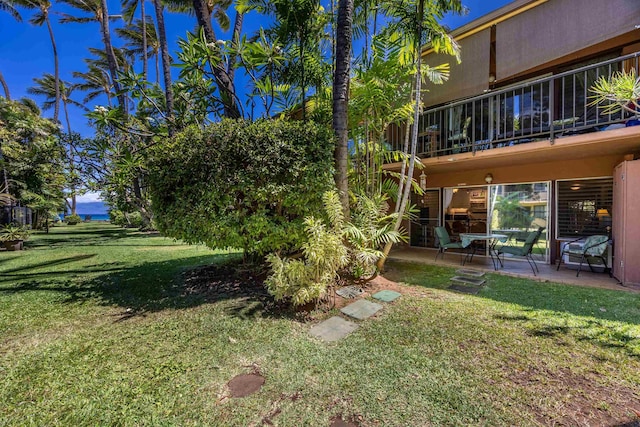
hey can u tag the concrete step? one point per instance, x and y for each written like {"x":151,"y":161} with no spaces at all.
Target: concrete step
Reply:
{"x":468,"y":280}
{"x":470,"y":272}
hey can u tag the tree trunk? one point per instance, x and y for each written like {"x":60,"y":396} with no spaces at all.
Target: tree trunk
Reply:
{"x":56,"y":67}
{"x":5,"y":87}
{"x":223,"y":81}
{"x":235,"y":41}
{"x":414,"y":134}
{"x":145,"y":58}
{"x":344,"y":33}
{"x":111,"y":56}
{"x":72,"y":166}
{"x":166,"y":65}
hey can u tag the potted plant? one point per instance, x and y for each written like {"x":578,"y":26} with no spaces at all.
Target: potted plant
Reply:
{"x":12,"y":236}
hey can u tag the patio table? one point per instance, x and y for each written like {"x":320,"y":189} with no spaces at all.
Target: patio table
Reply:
{"x":491,"y":238}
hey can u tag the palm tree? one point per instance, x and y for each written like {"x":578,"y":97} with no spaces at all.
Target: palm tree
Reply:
{"x":96,"y":82}
{"x":418,"y":26}
{"x":166,"y":64}
{"x":46,"y":86}
{"x":7,"y":6}
{"x":344,"y":36}
{"x":39,"y":18}
{"x":97,"y":11}
{"x":143,"y":42}
{"x":128,"y":12}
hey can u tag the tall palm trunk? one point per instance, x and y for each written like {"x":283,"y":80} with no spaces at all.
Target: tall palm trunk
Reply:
{"x":73,"y":205}
{"x":111,"y":56}
{"x":166,"y":65}
{"x":145,"y":58}
{"x":344,"y":33}
{"x":414,"y":131}
{"x":223,"y":80}
{"x":5,"y":87}
{"x":56,"y":66}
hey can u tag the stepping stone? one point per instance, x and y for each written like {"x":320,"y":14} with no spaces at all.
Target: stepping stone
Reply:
{"x":387,"y":295}
{"x":468,"y":280}
{"x":469,"y":272}
{"x":361,"y":309}
{"x":465,"y":289}
{"x":350,"y":292}
{"x":333,"y":329}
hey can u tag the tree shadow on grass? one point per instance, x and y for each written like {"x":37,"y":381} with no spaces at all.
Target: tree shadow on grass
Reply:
{"x":155,"y":286}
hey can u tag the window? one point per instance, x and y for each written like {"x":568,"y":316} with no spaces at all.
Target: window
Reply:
{"x":584,"y":207}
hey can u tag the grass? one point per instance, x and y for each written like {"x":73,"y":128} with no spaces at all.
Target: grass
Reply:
{"x":95,"y":330}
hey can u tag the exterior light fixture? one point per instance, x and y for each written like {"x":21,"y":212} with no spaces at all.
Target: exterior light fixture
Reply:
{"x":488,"y":178}
{"x":423,"y":181}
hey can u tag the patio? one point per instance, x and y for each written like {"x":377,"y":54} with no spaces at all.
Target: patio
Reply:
{"x":513,"y":267}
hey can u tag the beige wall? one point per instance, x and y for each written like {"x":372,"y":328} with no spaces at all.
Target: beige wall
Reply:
{"x":547,"y":171}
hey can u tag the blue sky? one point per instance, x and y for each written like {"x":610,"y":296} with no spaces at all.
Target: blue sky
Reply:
{"x":25,"y":50}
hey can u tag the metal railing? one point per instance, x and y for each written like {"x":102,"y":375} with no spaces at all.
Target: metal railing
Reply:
{"x":543,"y":109}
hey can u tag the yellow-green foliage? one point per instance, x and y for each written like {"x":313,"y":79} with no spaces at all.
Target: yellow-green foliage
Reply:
{"x":307,"y":279}
{"x":333,"y":248}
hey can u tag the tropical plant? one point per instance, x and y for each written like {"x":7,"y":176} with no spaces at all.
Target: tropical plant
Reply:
{"x":14,"y":232}
{"x":334,"y":248}
{"x":511,"y":214}
{"x":620,"y":92}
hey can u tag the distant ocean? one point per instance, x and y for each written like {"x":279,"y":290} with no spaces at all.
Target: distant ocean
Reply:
{"x":95,"y":217}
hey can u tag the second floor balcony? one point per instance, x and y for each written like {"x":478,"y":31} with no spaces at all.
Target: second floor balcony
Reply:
{"x":542,"y":109}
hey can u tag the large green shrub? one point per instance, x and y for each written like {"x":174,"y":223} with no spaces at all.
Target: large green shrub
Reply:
{"x":241,"y":184}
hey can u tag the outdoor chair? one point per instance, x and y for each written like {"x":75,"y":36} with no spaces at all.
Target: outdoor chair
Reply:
{"x":593,"y":247}
{"x":522,"y":251}
{"x":444,"y":242}
{"x":461,"y":139}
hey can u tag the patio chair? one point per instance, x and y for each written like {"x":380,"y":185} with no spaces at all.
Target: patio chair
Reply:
{"x":444,"y":242}
{"x":522,"y":251}
{"x":593,"y":247}
{"x":461,"y":140}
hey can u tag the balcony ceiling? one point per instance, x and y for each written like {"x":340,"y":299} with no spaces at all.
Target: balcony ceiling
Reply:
{"x":618,"y":141}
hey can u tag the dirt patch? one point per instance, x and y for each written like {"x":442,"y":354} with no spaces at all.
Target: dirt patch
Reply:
{"x":339,"y":422}
{"x":245,"y":384}
{"x":571,"y":398}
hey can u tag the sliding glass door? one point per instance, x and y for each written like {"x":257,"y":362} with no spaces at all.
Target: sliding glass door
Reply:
{"x":517,"y":209}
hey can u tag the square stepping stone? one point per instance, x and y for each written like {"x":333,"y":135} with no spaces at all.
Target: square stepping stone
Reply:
{"x":465,"y":289}
{"x":350,"y":292}
{"x":468,"y":280}
{"x":361,"y":309}
{"x":470,"y":272}
{"x":387,"y":295}
{"x":333,"y":329}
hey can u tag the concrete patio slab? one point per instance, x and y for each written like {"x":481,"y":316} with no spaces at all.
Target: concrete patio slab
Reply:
{"x":333,"y":329}
{"x":387,"y":295}
{"x":361,"y":309}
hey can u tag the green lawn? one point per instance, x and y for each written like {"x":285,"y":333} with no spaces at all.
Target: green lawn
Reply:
{"x":96,"y":329}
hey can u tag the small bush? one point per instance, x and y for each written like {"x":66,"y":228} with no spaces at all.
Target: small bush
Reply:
{"x":241,"y":185}
{"x":72,"y":219}
{"x":125,"y":219}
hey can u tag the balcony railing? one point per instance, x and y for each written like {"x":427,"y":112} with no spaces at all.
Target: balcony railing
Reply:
{"x":543,"y":109}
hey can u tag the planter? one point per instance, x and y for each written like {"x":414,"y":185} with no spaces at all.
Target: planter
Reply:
{"x":13,"y":245}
